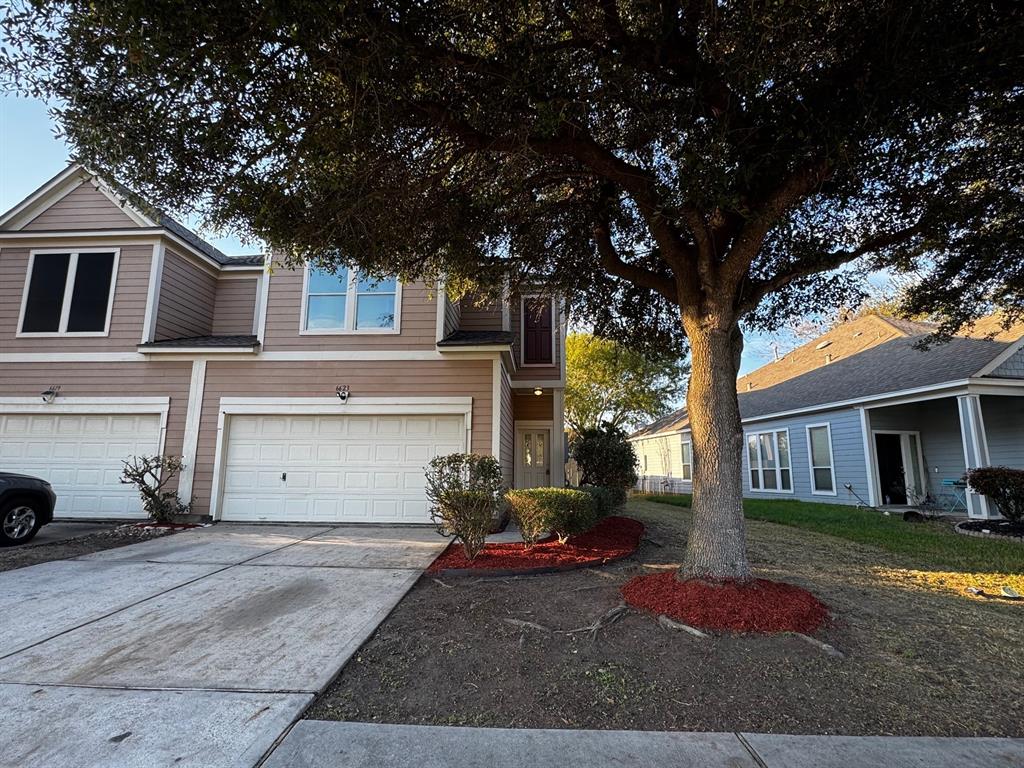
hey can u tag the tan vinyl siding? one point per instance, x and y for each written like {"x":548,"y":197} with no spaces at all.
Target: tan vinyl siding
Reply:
{"x":235,"y":306}
{"x":143,"y":379}
{"x":126,"y":317}
{"x":486,"y":317}
{"x":442,"y":378}
{"x":418,"y":322}
{"x":507,"y":443}
{"x":530,"y":407}
{"x":85,"y":207}
{"x":187,"y":297}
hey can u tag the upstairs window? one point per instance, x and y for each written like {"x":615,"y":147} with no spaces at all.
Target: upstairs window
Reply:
{"x":348,"y":302}
{"x":70,"y":293}
{"x":538,"y":330}
{"x":768,"y":456}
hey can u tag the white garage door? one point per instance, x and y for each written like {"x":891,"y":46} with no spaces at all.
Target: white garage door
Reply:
{"x":333,"y":468}
{"x":80,"y":455}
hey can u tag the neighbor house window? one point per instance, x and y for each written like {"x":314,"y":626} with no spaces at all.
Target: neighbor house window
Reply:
{"x":687,"y":451}
{"x":346,"y":301}
{"x":819,"y":448}
{"x":768,"y":455}
{"x":69,"y":293}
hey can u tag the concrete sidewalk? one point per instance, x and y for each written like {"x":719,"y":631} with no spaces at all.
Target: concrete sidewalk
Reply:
{"x":197,"y":649}
{"x":320,"y":744}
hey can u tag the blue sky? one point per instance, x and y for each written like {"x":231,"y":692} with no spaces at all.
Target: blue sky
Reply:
{"x":30,"y":153}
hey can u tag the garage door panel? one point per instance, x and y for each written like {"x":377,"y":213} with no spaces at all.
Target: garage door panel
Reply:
{"x":80,"y":455}
{"x":339,"y":468}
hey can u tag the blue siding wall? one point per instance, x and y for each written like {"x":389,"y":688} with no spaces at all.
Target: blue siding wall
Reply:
{"x":847,"y":456}
{"x":1004,"y":428}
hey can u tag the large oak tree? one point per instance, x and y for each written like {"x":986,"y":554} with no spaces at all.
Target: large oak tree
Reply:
{"x":675,"y":168}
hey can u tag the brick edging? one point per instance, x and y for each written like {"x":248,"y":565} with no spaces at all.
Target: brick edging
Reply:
{"x":989,"y":536}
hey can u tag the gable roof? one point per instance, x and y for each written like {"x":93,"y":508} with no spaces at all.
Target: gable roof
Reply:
{"x":867,"y":356}
{"x":138,"y":211}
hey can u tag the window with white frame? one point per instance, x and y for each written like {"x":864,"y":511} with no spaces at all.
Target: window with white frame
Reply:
{"x":346,"y":301}
{"x":768,"y":457}
{"x":819,"y":449}
{"x":69,"y":293}
{"x":687,"y":462}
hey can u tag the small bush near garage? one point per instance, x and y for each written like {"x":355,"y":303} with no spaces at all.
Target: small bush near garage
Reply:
{"x":1004,"y":486}
{"x":151,"y":475}
{"x":465,"y":491}
{"x":564,"y":511}
{"x":605,"y":458}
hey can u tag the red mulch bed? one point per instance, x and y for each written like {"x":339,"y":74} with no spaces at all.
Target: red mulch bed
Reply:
{"x":611,"y":539}
{"x":755,"y":606}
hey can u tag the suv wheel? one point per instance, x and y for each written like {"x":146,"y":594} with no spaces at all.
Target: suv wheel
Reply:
{"x":20,"y":520}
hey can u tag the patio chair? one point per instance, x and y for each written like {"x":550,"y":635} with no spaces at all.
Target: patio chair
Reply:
{"x":955,"y":496}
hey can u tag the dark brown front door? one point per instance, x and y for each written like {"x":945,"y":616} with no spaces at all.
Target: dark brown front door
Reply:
{"x":537,"y":328}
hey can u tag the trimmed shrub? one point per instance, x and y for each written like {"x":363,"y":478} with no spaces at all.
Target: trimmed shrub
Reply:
{"x":1004,"y":486}
{"x":151,"y":475}
{"x":465,"y":492}
{"x":564,"y":511}
{"x":605,"y":458}
{"x":606,"y":500}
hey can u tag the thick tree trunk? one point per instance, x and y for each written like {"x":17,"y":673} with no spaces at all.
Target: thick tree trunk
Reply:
{"x":717,"y":544}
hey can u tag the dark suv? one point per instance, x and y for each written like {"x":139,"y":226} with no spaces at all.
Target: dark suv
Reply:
{"x":26,"y":505}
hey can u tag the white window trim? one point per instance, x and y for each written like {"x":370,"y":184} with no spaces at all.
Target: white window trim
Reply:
{"x":351,"y":297}
{"x":522,"y":332}
{"x":69,"y":289}
{"x":778,"y":469}
{"x":683,"y":465}
{"x":810,"y":459}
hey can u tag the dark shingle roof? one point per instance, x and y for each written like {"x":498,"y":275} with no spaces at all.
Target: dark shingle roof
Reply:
{"x":251,"y":260}
{"x":866,"y":361}
{"x":215,"y":342}
{"x":476,"y":338}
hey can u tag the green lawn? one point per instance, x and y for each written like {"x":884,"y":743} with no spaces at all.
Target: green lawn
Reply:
{"x":930,"y":545}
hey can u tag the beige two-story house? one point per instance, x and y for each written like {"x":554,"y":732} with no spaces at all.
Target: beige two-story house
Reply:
{"x":292,"y":394}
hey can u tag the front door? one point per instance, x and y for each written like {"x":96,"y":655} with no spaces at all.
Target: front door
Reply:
{"x":533,"y":458}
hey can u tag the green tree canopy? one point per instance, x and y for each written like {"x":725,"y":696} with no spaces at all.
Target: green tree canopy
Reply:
{"x":608,"y":382}
{"x":676,"y":168}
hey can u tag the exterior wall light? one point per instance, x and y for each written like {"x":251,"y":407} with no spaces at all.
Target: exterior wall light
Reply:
{"x":538,"y":391}
{"x":342,"y":392}
{"x":50,"y":394}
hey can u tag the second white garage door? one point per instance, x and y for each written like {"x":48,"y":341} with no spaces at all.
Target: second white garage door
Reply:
{"x":333,"y":468}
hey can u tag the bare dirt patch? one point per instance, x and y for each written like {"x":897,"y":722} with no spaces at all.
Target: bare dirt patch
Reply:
{"x":508,"y":651}
{"x":33,"y":554}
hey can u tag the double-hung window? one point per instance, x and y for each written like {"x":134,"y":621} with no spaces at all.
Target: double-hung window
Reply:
{"x":346,"y":301}
{"x":819,"y":449}
{"x":687,"y":460}
{"x":768,"y":457}
{"x":68,"y":293}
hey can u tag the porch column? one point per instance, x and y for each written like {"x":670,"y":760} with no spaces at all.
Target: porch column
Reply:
{"x":972,"y":431}
{"x":558,"y":438}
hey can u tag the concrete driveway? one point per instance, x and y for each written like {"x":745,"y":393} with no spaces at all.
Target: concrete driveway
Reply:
{"x":197,"y":649}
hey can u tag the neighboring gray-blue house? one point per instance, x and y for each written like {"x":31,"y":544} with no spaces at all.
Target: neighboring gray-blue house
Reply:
{"x":861,"y":416}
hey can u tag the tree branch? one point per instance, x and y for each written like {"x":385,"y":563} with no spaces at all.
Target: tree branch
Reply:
{"x":614,"y":264}
{"x":805,"y":268}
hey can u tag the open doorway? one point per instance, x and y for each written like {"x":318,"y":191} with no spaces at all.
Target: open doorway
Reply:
{"x":900,"y":467}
